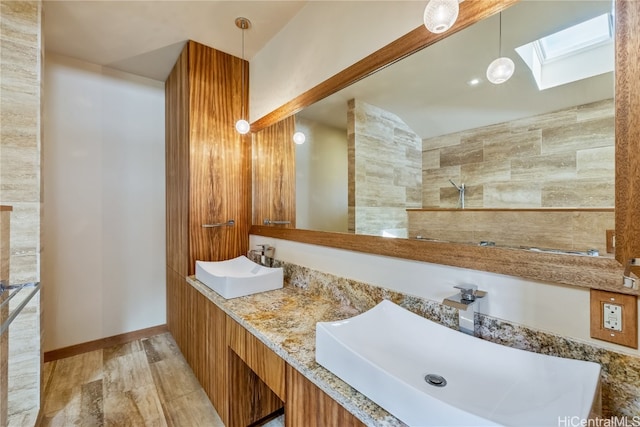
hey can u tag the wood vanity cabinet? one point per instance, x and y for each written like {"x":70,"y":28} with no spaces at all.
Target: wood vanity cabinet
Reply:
{"x":245,"y":380}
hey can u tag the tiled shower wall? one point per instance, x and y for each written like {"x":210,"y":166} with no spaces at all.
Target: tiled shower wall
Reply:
{"x":20,"y":187}
{"x":559,"y":159}
{"x":384,"y":170}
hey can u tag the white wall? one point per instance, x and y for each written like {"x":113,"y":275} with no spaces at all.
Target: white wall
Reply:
{"x":104,"y":197}
{"x":321,"y":40}
{"x":322,"y":178}
{"x":562,"y":310}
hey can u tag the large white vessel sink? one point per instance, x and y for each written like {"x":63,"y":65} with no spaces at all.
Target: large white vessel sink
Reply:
{"x":238,"y":277}
{"x":386,"y":353}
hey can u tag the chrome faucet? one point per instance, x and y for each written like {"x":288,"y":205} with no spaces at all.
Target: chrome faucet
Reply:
{"x":466,"y":301}
{"x":263,"y":256}
{"x":460,"y":189}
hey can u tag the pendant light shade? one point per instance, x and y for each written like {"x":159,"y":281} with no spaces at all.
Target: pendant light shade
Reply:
{"x":500,"y":70}
{"x":299,"y":138}
{"x":440,"y":15}
{"x":242,"y":126}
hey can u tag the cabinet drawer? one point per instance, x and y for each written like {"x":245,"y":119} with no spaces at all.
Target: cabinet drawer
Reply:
{"x":261,"y":359}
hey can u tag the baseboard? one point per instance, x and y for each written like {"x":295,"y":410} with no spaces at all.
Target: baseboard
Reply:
{"x":86,"y":347}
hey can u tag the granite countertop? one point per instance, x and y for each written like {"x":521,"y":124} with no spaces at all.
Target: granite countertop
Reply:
{"x":285,"y":321}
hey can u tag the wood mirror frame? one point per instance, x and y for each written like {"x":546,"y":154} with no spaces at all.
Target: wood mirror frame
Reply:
{"x":583,"y":271}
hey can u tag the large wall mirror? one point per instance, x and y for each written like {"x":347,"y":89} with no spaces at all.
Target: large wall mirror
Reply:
{"x":388,"y":155}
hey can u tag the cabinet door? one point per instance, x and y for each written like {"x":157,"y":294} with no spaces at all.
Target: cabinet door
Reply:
{"x":274,"y":174}
{"x":307,"y":405}
{"x":220,"y":158}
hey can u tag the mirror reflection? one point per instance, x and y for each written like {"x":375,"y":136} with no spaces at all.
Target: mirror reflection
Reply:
{"x":429,"y":148}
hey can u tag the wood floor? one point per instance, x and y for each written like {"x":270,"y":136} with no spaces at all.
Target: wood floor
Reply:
{"x":141,"y":383}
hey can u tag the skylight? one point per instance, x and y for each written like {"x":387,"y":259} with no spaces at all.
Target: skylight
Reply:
{"x":578,"y":52}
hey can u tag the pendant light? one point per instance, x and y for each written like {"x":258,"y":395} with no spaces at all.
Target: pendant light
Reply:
{"x":440,"y":15}
{"x":242,"y":125}
{"x":501,"y":69}
{"x":299,"y":138}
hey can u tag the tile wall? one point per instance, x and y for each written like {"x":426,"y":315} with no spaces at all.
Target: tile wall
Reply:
{"x":384,"y":170}
{"x":559,"y":159}
{"x":20,"y":186}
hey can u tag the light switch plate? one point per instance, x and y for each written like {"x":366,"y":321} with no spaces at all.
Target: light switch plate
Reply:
{"x":614,"y":317}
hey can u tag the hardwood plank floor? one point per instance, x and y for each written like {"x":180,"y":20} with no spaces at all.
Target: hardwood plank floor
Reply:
{"x":142,"y":383}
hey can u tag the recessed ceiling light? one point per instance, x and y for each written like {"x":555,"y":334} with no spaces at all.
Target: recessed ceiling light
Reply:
{"x":474,"y":82}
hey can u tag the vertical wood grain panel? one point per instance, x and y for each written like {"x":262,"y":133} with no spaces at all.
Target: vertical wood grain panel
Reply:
{"x":177,"y":164}
{"x":218,"y":390}
{"x":250,"y":399}
{"x":220,"y":158}
{"x":627,"y":130}
{"x":307,"y":405}
{"x":274,"y":174}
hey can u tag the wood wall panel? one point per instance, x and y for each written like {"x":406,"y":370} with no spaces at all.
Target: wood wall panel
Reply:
{"x":177,"y":165}
{"x":274,"y":174}
{"x":220,"y":158}
{"x":627,"y":101}
{"x":307,"y":405}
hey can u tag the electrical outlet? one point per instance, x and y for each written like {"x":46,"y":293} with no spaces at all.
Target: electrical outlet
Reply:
{"x":612,"y":315}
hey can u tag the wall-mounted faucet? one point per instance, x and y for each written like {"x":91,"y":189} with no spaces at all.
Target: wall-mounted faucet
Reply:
{"x":466,"y":301}
{"x":460,"y":189}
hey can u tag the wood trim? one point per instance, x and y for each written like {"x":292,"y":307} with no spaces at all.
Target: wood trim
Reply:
{"x":582,"y":271}
{"x":470,"y":13}
{"x":627,"y":101}
{"x":5,"y":208}
{"x":101,"y":343}
{"x":511,"y":210}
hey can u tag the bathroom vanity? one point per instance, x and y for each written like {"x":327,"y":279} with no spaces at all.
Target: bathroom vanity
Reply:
{"x":255,"y":362}
{"x":256,"y":355}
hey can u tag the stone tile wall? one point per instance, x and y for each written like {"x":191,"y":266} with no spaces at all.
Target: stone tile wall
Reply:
{"x":559,"y":159}
{"x":20,"y":186}
{"x":384,"y":170}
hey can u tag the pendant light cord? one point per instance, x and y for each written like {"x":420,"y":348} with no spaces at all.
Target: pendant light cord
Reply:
{"x":242,"y":77}
{"x":499,"y":39}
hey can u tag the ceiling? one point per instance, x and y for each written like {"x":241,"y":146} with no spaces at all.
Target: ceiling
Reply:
{"x":145,"y":37}
{"x":429,"y":89}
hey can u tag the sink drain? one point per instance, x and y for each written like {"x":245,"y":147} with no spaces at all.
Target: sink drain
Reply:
{"x":435,"y":380}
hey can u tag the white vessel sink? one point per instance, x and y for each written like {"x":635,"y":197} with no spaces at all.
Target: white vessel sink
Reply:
{"x":386,"y":352}
{"x":238,"y":277}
